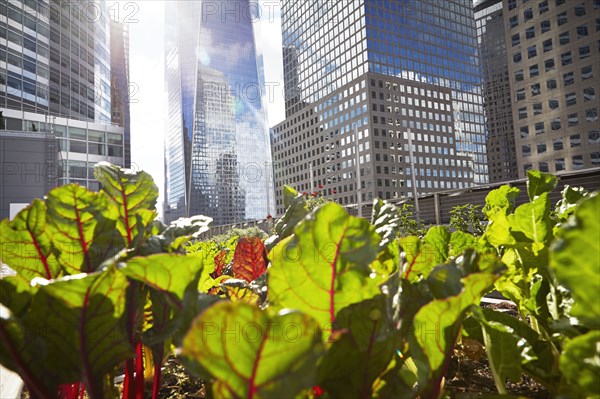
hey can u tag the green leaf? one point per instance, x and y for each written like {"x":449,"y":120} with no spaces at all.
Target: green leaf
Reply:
{"x":252,"y":355}
{"x":580,"y":363}
{"x":422,"y":257}
{"x":503,"y":353}
{"x":361,"y":354}
{"x":296,"y":210}
{"x":500,"y":200}
{"x":81,"y":328}
{"x":27,"y":243}
{"x":84,"y":228}
{"x":436,"y":323}
{"x":16,"y":293}
{"x":575,"y":262}
{"x":239,"y":291}
{"x":167,"y":273}
{"x":570,"y":197}
{"x":324,"y":266}
{"x":134,"y":194}
{"x":531,"y":221}
{"x":386,"y":220}
{"x":539,"y":183}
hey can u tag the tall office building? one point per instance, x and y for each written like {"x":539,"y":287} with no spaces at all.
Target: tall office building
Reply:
{"x":55,"y":97}
{"x":217,"y":147}
{"x":391,"y":86}
{"x":502,"y":155}
{"x":554,"y":68}
{"x":122,"y":91}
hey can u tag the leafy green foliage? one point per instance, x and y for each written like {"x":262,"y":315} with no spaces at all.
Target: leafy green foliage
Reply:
{"x":253,"y":355}
{"x":330,"y":305}
{"x":467,"y":218}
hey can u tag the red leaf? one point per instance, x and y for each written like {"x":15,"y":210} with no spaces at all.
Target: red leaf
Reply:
{"x":219,"y":264}
{"x":249,"y":260}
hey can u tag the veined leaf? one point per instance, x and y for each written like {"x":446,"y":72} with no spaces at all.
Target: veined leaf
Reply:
{"x":532,"y":220}
{"x":167,"y":273}
{"x":16,"y":294}
{"x":84,"y":228}
{"x":422,"y":257}
{"x":249,"y":260}
{"x":436,"y":323}
{"x":296,"y":210}
{"x":324,"y":267}
{"x":240,"y":291}
{"x":252,"y":355}
{"x":81,"y":320}
{"x":362,"y":352}
{"x":27,"y":243}
{"x":539,"y":183}
{"x":500,"y":200}
{"x":134,"y":193}
{"x":575,"y":261}
{"x":580,"y":363}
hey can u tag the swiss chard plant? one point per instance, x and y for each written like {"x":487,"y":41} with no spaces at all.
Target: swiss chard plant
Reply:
{"x":329,"y":305}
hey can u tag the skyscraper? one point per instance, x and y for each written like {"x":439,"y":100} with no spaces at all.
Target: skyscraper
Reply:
{"x":554,"y":65}
{"x":55,"y":97}
{"x":502,"y":155}
{"x":396,"y":81}
{"x":217,"y":149}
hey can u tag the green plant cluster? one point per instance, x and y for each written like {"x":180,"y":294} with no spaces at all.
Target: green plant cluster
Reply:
{"x":328,"y":306}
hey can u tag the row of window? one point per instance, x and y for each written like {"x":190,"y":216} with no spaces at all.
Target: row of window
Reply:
{"x":558,"y":143}
{"x":577,"y":163}
{"x":556,"y":124}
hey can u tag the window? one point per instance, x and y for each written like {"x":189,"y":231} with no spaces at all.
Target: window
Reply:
{"x":566,"y":58}
{"x":589,"y":94}
{"x":514,"y":21}
{"x":580,"y":10}
{"x":543,"y":7}
{"x":530,"y":32}
{"x":559,"y":2}
{"x":539,"y":128}
{"x":563,"y":38}
{"x":526,"y":167}
{"x":584,"y":52}
{"x":559,"y":164}
{"x":524,"y":131}
{"x":523,"y":113}
{"x":561,"y":18}
{"x":597,"y":24}
{"x":582,"y":31}
{"x":520,"y":94}
{"x":575,"y":140}
{"x":573,"y":120}
{"x":531,"y":52}
{"x":594,"y":137}
{"x":569,"y":78}
{"x":570,"y":99}
{"x":555,"y":124}
{"x":577,"y":162}
{"x":517,"y":58}
{"x":535,"y":89}
{"x":551,"y":84}
{"x":544,"y":167}
{"x":545,"y":25}
{"x":512,"y":4}
{"x":527,"y":14}
{"x":553,"y":103}
{"x":586,"y":72}
{"x":519,"y":75}
{"x":534,"y":71}
{"x":516,"y":39}
{"x":537,"y":109}
{"x":557,"y":144}
{"x":526,"y":150}
{"x":547,"y":45}
{"x":541,"y":148}
{"x":595,"y":158}
{"x":591,"y":115}
{"x":549,"y":64}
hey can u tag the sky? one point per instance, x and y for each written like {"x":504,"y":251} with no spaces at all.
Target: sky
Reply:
{"x":145,"y":20}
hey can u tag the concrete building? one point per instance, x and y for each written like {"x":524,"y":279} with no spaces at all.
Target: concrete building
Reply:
{"x":389,"y":91}
{"x":502,"y":155}
{"x":553,"y":51}
{"x":55,"y":93}
{"x":217,"y":145}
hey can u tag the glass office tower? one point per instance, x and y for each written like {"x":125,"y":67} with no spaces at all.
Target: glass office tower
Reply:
{"x":217,"y":151}
{"x":376,"y":75}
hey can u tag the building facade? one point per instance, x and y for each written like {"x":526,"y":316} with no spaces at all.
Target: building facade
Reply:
{"x":55,"y":83}
{"x":554,"y":67}
{"x":396,"y":82}
{"x":502,"y":154}
{"x":217,"y":145}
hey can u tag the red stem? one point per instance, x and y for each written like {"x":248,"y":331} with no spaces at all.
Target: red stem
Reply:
{"x":157,"y":374}
{"x":139,"y":371}
{"x":127,"y":382}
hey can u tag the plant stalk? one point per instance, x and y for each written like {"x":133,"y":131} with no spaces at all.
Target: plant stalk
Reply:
{"x":497,"y":378}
